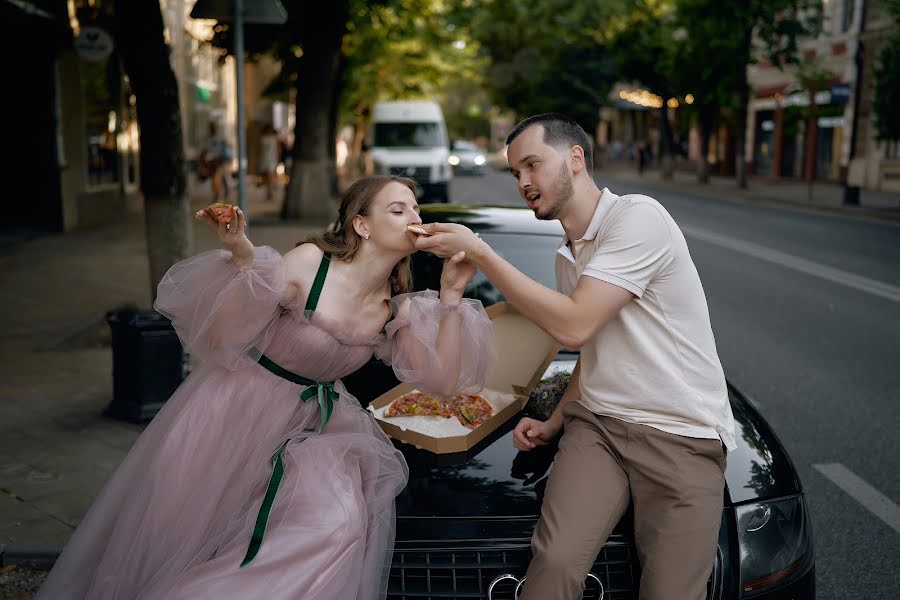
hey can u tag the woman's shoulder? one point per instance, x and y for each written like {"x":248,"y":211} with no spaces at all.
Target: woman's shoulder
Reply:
{"x":303,"y":260}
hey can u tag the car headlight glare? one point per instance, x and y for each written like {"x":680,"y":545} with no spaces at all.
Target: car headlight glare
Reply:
{"x":453,"y":159}
{"x":776,"y":544}
{"x":479,"y":160}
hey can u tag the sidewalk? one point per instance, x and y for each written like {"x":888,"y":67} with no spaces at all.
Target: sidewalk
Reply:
{"x":826,"y":197}
{"x":56,"y":448}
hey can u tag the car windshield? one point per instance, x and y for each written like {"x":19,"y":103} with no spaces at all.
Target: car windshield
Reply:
{"x":416,"y":135}
{"x":534,"y":255}
{"x":467,"y":146}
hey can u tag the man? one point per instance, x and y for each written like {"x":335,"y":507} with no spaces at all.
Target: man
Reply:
{"x":646,"y":412}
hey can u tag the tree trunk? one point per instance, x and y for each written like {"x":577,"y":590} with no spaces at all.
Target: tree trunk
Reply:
{"x":145,"y":55}
{"x":743,"y":104}
{"x":665,"y":143}
{"x":309,"y":193}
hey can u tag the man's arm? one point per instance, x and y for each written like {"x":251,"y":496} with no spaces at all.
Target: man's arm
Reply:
{"x":571,"y":320}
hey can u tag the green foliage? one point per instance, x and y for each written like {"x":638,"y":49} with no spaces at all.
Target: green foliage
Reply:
{"x":405,"y":49}
{"x":545,"y":55}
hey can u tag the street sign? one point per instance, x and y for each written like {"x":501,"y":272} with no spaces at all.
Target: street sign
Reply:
{"x":94,"y":43}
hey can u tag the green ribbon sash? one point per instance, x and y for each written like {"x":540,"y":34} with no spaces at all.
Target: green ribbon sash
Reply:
{"x":262,"y":519}
{"x":326,"y":396}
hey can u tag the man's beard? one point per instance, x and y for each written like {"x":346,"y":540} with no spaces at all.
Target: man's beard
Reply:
{"x":562,"y":192}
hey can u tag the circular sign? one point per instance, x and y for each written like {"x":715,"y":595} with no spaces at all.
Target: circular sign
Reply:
{"x":93,"y":43}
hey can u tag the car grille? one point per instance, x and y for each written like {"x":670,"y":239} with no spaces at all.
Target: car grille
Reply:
{"x":461,"y":572}
{"x":420,"y":174}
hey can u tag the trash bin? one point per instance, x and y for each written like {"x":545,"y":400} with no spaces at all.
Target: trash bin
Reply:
{"x":148,"y":363}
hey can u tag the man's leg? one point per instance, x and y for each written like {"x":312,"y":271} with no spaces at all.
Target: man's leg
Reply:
{"x":677,"y":484}
{"x":586,"y":495}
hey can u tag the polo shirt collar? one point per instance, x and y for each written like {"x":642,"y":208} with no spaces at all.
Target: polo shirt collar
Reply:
{"x":603,"y":206}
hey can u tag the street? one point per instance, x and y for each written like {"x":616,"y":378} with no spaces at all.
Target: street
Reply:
{"x":805,"y":312}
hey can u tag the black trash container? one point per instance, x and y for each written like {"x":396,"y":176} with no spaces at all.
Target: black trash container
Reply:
{"x":148,"y":363}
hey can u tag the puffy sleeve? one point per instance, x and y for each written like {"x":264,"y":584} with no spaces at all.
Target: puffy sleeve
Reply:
{"x":219,"y":310}
{"x":441,"y":349}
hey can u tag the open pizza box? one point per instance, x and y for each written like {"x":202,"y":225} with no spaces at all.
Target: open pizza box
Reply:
{"x":524,"y":351}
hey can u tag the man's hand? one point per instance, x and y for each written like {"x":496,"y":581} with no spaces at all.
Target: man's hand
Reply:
{"x":530,"y":433}
{"x":448,"y":239}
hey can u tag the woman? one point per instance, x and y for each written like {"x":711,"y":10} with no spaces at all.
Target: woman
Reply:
{"x":262,"y":477}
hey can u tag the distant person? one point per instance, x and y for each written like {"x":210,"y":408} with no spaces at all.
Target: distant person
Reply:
{"x":643,"y":156}
{"x":214,"y":161}
{"x":268,"y":158}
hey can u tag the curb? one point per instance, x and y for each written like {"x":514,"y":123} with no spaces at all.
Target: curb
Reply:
{"x":30,"y":555}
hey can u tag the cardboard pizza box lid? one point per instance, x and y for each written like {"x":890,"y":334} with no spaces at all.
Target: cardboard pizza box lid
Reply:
{"x":524,"y":351}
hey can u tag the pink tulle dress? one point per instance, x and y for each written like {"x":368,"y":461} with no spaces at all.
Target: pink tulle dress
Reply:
{"x":235,"y":489}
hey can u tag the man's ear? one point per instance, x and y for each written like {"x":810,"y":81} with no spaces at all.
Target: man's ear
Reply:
{"x":576,"y":155}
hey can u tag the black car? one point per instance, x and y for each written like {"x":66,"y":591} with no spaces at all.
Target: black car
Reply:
{"x":465,"y":520}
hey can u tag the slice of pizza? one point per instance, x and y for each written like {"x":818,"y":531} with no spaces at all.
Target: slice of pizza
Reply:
{"x":417,"y":229}
{"x":415,"y":404}
{"x":220,"y":212}
{"x":472,"y":410}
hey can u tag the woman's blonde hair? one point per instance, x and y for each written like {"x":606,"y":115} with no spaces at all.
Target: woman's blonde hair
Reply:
{"x":343,"y":242}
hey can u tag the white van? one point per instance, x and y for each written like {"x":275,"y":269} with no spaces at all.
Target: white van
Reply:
{"x":410,"y":139}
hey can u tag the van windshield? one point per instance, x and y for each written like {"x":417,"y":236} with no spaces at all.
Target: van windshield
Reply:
{"x":418,"y":135}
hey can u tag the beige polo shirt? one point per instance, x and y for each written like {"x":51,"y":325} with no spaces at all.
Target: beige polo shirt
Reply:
{"x":655,"y":363}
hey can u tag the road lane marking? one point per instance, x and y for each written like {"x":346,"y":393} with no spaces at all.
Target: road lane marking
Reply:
{"x":877,"y":503}
{"x":863,"y":284}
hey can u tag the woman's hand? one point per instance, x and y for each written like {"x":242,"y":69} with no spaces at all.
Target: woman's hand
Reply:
{"x":231,"y":235}
{"x":455,"y":277}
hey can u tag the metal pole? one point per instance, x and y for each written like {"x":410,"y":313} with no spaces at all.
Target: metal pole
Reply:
{"x":241,"y":128}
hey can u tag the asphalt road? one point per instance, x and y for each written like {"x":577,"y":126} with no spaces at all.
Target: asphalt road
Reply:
{"x":806,"y":312}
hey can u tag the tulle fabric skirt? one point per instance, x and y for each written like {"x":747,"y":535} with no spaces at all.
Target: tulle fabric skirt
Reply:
{"x":176,"y":519}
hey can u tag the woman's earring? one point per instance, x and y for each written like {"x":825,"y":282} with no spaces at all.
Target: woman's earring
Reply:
{"x":367,"y":236}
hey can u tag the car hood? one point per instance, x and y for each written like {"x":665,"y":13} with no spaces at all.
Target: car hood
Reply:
{"x":495,"y":480}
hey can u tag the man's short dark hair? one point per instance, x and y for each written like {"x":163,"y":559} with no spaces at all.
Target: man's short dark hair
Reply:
{"x":559,"y":129}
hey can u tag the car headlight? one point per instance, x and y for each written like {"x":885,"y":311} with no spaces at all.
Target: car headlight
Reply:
{"x":453,"y":159}
{"x":479,"y":160}
{"x":776,"y":544}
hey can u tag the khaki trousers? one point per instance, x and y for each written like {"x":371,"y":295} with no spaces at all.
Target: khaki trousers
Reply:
{"x":676,"y":484}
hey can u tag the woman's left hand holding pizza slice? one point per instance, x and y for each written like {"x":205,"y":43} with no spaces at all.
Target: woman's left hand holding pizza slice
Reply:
{"x":228,"y":222}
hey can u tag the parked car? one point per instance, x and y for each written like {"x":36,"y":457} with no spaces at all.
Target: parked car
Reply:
{"x":465,"y":520}
{"x":466,"y":158}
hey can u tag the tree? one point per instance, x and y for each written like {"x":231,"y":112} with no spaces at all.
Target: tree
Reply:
{"x":887,"y":82}
{"x":546,"y":55}
{"x":771,"y":28}
{"x":145,"y":56}
{"x":404,"y":49}
{"x":703,"y":68}
{"x":644,"y":49}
